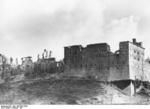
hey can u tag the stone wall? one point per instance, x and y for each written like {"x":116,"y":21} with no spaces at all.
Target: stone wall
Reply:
{"x":146,"y":74}
{"x":73,"y":57}
{"x":126,"y":63}
{"x":136,"y":62}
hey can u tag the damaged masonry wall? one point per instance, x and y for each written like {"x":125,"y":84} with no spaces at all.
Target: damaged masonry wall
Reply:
{"x":125,"y":64}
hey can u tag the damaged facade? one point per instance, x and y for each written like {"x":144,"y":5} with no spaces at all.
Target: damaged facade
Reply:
{"x":126,"y":64}
{"x":47,"y":64}
{"x":7,"y":69}
{"x":123,"y":68}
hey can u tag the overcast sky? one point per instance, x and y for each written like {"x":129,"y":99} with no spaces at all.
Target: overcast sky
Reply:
{"x":29,"y":26}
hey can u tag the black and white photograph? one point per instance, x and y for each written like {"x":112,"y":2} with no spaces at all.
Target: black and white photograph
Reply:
{"x":74,"y":52}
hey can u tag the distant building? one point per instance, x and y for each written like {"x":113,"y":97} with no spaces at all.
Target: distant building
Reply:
{"x":27,"y":64}
{"x":3,"y":59}
{"x":126,"y":64}
{"x":46,"y":64}
{"x":5,"y":67}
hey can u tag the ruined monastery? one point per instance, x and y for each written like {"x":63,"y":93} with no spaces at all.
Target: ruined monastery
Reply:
{"x":123,"y":67}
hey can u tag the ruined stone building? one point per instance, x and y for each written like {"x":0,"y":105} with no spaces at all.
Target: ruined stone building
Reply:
{"x":27,"y":64}
{"x":45,"y":64}
{"x":27,"y":61}
{"x":124,"y":67}
{"x":3,"y":61}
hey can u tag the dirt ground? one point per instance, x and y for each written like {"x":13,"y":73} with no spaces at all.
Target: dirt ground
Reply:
{"x":65,"y":91}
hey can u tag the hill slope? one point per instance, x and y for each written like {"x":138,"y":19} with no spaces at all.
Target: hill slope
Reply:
{"x":65,"y":91}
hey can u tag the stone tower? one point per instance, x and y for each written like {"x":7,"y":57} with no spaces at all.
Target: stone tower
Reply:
{"x":132,"y":63}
